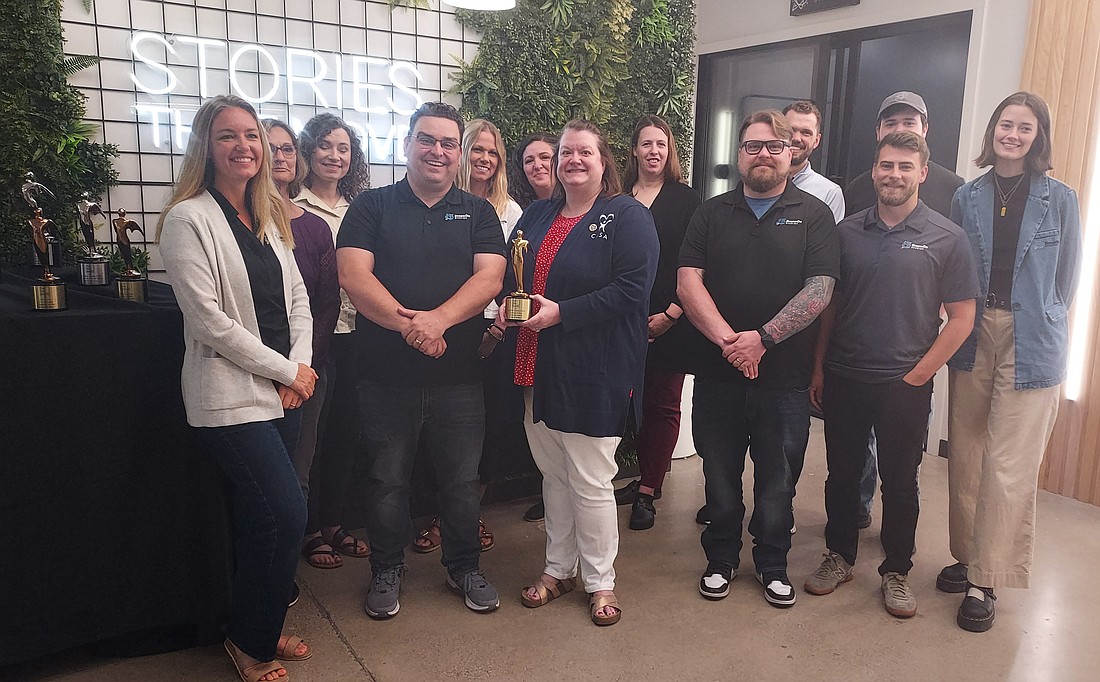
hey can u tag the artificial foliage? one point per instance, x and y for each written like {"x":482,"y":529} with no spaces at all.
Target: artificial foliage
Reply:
{"x":548,"y":61}
{"x":44,"y":132}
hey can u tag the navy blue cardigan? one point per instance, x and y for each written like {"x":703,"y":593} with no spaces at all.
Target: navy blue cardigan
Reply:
{"x":592,"y":364}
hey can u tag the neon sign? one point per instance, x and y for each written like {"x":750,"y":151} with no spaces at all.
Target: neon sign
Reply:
{"x":275,"y":79}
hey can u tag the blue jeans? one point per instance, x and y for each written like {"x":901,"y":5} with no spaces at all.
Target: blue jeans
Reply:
{"x":868,"y":478}
{"x":451,"y":419}
{"x":773,"y":425}
{"x":268,"y":517}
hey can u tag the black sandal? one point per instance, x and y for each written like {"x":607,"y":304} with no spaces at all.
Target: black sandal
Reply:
{"x":310,"y":551}
{"x":340,"y":543}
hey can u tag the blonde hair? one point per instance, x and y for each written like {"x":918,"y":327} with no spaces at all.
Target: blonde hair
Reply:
{"x":197,"y":173}
{"x":498,"y":185}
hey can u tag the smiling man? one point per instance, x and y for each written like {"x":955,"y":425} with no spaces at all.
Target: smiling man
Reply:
{"x":805,"y":120}
{"x":420,"y":260}
{"x":899,"y":262}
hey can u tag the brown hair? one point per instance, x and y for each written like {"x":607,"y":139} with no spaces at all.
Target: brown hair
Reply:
{"x":1038,"y":159}
{"x":301,"y":166}
{"x":612,"y":185}
{"x":904,"y":139}
{"x":518,"y":184}
{"x":315,"y":131}
{"x":804,"y":106}
{"x":673,"y":171}
{"x":773,"y":117}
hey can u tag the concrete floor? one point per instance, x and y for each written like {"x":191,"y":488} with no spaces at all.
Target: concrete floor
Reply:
{"x":668,"y":632}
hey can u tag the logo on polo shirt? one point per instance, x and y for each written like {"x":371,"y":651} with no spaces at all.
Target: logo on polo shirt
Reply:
{"x":910,"y":245}
{"x":457,"y":216}
{"x":788,"y":221}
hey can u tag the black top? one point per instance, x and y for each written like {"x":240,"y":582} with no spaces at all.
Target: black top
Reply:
{"x":753,"y":268}
{"x":892,"y":282}
{"x":422,"y":256}
{"x":936,"y":191}
{"x":1006,"y":233}
{"x":672,"y":210}
{"x":265,"y":277}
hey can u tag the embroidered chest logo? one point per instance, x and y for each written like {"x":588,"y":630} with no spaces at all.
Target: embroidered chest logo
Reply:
{"x":787,"y":221}
{"x":457,"y":216}
{"x":916,"y":247}
{"x":600,"y":231}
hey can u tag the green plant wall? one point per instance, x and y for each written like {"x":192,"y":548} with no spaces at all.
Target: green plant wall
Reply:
{"x":548,"y":61}
{"x":41,"y":116}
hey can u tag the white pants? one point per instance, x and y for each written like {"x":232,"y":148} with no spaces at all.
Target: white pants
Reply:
{"x":996,"y":443}
{"x":582,"y":525}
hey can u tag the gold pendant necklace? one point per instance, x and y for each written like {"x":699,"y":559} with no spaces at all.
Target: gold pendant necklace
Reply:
{"x":1005,"y":196}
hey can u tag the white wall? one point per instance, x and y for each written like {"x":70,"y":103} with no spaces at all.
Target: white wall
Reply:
{"x":997,"y":40}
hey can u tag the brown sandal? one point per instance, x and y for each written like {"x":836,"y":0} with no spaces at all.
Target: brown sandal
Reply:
{"x":312,"y":549}
{"x":430,"y":537}
{"x":285,"y":652}
{"x":255,"y":671}
{"x":599,"y":601}
{"x":546,"y":593}
{"x":484,"y":537}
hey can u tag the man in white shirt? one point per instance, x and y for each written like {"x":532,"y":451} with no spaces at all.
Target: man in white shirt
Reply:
{"x":805,"y":119}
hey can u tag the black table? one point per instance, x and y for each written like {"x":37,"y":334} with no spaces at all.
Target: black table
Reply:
{"x":113,"y":526}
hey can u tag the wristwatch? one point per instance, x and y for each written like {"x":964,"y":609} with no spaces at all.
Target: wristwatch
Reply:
{"x":766,"y":339}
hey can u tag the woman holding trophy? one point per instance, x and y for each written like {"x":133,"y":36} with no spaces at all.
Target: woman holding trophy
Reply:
{"x":226,"y":244}
{"x":580,"y":357}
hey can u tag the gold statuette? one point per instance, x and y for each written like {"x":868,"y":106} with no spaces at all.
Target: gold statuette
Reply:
{"x":518,"y":304}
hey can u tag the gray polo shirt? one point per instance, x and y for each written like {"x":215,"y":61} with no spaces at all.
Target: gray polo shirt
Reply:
{"x":892,"y":282}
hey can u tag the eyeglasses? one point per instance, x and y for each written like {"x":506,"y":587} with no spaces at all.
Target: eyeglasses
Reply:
{"x":754,"y":147}
{"x":426,"y":141}
{"x":286,"y":149}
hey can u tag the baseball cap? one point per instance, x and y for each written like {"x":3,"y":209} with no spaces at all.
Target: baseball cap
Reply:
{"x":909,"y":99}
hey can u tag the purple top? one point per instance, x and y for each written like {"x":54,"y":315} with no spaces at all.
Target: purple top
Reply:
{"x":316,"y":257}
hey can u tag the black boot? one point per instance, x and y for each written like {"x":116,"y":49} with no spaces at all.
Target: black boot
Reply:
{"x":642,"y":514}
{"x":976,"y":614}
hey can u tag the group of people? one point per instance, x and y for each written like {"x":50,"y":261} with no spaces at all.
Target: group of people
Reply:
{"x":333,"y":330}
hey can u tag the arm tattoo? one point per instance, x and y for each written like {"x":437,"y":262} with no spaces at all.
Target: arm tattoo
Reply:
{"x":803,"y":309}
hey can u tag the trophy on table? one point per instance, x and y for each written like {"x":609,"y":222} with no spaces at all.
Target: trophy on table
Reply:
{"x":518,"y":304}
{"x":31,"y":190}
{"x":131,"y":284}
{"x":48,"y":290}
{"x":93,"y":266}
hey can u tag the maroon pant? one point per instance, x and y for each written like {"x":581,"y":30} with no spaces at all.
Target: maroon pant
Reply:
{"x":660,"y":424}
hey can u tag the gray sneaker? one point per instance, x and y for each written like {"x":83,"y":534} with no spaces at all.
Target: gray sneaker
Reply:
{"x":385,"y":588}
{"x":479,"y":594}
{"x":897,"y":597}
{"x":833,"y":571}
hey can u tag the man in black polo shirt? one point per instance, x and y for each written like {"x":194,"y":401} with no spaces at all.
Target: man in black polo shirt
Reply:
{"x":757,"y":266}
{"x":907,"y":111}
{"x":900,"y":261}
{"x":420,"y":260}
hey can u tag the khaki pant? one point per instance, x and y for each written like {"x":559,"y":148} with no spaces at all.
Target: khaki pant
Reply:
{"x":997,"y":436}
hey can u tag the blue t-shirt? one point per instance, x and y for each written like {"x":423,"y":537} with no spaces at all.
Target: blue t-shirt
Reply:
{"x":761,"y":206}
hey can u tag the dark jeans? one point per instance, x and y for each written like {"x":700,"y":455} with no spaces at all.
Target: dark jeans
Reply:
{"x":337,"y":436}
{"x":268,"y":516}
{"x":898,"y":413}
{"x":660,"y":424}
{"x":774,"y":426}
{"x":451,"y":419}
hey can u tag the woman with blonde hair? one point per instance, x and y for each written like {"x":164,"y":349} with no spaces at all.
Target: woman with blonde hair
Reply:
{"x":1025,"y":233}
{"x":226,"y":244}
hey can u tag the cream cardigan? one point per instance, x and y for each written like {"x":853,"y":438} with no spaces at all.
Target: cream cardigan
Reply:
{"x":228,"y":372}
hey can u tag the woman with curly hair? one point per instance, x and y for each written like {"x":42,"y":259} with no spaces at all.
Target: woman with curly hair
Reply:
{"x":337,"y":173}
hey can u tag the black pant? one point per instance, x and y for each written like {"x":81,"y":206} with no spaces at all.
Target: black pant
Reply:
{"x":338,"y":447}
{"x":898,"y":412}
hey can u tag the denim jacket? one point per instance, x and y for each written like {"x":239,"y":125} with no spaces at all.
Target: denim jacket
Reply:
{"x":1044,"y":277}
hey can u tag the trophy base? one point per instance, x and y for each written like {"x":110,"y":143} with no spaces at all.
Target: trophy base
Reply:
{"x":517,"y":308}
{"x":132,"y":288}
{"x":94,"y":272}
{"x":49,"y":295}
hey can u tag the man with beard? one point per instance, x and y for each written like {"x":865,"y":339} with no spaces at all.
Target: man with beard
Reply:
{"x":805,"y":120}
{"x":757,"y":266}
{"x":900,"y":261}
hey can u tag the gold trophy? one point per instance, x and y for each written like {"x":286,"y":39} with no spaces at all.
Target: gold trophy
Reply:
{"x":518,"y":304}
{"x":94,"y":270}
{"x":49,"y":290}
{"x":131,"y":284}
